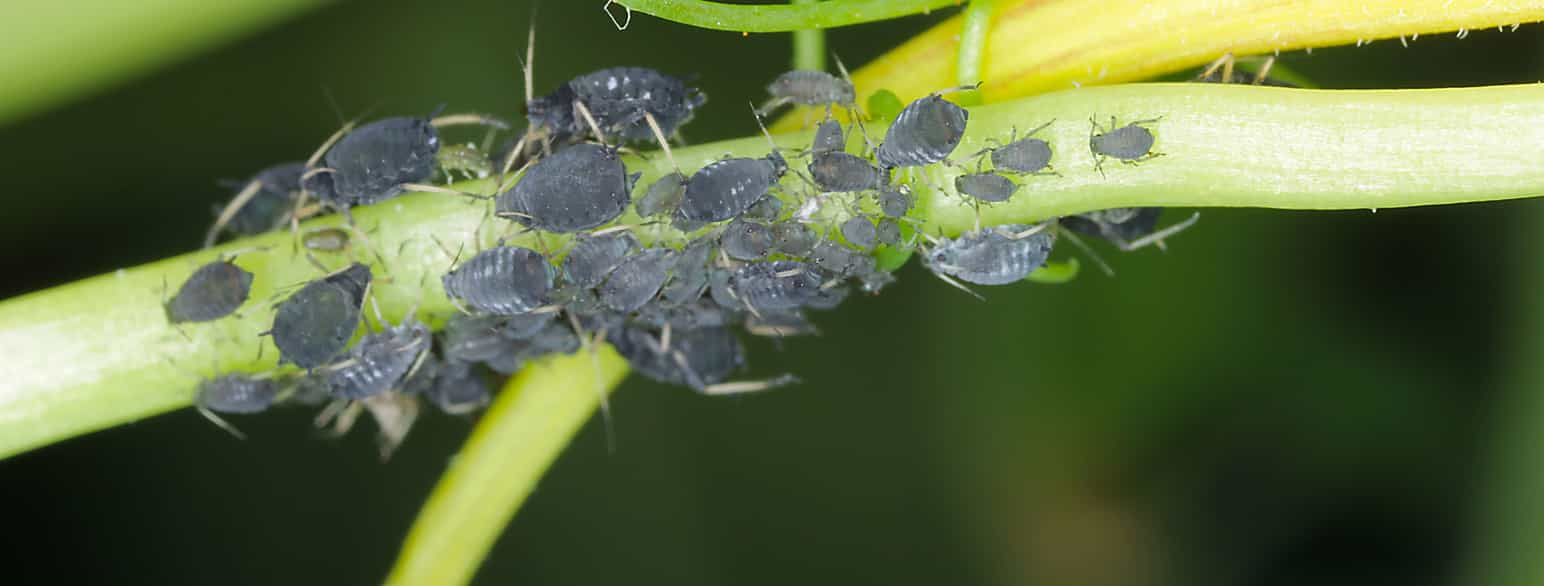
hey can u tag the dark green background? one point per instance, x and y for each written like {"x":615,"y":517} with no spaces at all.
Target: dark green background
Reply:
{"x":1283,"y":398}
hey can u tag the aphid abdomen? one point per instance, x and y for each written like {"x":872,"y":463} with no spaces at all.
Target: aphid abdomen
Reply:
{"x":811,"y":88}
{"x":507,"y":280}
{"x":992,"y":257}
{"x":458,"y":389}
{"x":272,"y":203}
{"x":860,"y":231}
{"x":744,"y":240}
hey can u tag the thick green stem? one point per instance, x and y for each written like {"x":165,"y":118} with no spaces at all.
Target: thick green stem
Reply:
{"x":971,"y":61}
{"x":777,"y":19}
{"x":99,"y":352}
{"x":809,"y":45}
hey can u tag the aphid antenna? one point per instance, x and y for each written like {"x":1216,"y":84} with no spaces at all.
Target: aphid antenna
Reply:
{"x":958,"y":285}
{"x":1088,"y":251}
{"x":584,"y":111}
{"x":509,"y":160}
{"x":739,"y":387}
{"x":628,"y":14}
{"x":956,"y":89}
{"x":229,"y":212}
{"x":659,"y":135}
{"x":1156,"y":238}
{"x":220,"y":422}
{"x":444,"y":190}
{"x":468,"y":119}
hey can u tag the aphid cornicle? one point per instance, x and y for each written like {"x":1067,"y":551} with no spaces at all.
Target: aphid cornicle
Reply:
{"x":237,"y":393}
{"x":379,"y":361}
{"x":213,"y":291}
{"x":1130,"y":144}
{"x":594,"y":257}
{"x":576,"y":188}
{"x":988,"y":187}
{"x":506,"y":280}
{"x":637,"y":279}
{"x":927,"y":131}
{"x":1028,"y":155}
{"x":995,"y":256}
{"x":315,"y":324}
{"x":839,"y":172}
{"x":617,"y":98}
{"x":727,"y":188}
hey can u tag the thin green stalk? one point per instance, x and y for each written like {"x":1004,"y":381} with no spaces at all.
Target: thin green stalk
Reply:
{"x":970,"y":64}
{"x":809,"y":45}
{"x":99,"y":352}
{"x":782,"y":18}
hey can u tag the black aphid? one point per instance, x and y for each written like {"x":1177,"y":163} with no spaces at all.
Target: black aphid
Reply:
{"x":213,"y":291}
{"x":995,"y":256}
{"x":895,"y":202}
{"x":925,"y":132}
{"x":618,"y":98}
{"x":727,"y":188}
{"x":237,"y":393}
{"x":808,"y":88}
{"x":1028,"y":155}
{"x":379,"y":362}
{"x":371,"y":163}
{"x":829,"y":138}
{"x":860,"y":231}
{"x":663,"y":196}
{"x":263,"y":203}
{"x":1130,"y":144}
{"x":888,"y":232}
{"x":576,"y":188}
{"x":506,"y":280}
{"x":776,"y":286}
{"x":793,"y":238}
{"x":744,"y":240}
{"x":837,"y":172}
{"x":524,"y":326}
{"x":594,"y":257}
{"x":637,"y":279}
{"x":988,"y":187}
{"x":315,"y":324}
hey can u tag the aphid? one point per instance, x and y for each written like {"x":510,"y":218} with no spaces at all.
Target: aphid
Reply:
{"x":701,"y":359}
{"x":793,"y":238}
{"x":925,"y":132}
{"x":987,"y":187}
{"x":727,"y":188}
{"x":235,"y":393}
{"x":525,"y":325}
{"x":829,"y":138}
{"x":832,"y":257}
{"x":682,"y":317}
{"x":1126,"y":228}
{"x":262,"y":203}
{"x":371,"y":163}
{"x":1226,"y":62}
{"x":313,"y":325}
{"x":888,"y":232}
{"x":618,"y":98}
{"x":744,"y":240}
{"x":721,"y":289}
{"x":1026,"y":155}
{"x":996,"y":256}
{"x":576,"y":188}
{"x":808,"y":88}
{"x":663,"y":196}
{"x":689,"y":275}
{"x":860,"y":231}
{"x":637,"y":279}
{"x":895,"y":202}
{"x":594,"y":257}
{"x":766,"y":210}
{"x":457,"y":389}
{"x":507,"y":280}
{"x":213,"y":291}
{"x":1130,"y":144}
{"x":839,"y":172}
{"x":379,"y":361}
{"x":775,"y":286}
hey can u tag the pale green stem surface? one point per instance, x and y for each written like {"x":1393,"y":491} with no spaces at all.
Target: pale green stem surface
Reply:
{"x":809,"y":45}
{"x":42,"y":61}
{"x":762,"y":18}
{"x":971,"y":61}
{"x":99,"y":352}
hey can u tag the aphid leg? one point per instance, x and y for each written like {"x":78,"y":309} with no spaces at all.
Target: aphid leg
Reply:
{"x":229,"y":212}
{"x":1156,"y":238}
{"x":584,"y":111}
{"x":1265,"y":70}
{"x":769,"y":106}
{"x":1087,"y":250}
{"x":958,"y":285}
{"x":659,"y":135}
{"x":1225,"y":62}
{"x":738,"y":387}
{"x":444,"y":190}
{"x":220,"y":422}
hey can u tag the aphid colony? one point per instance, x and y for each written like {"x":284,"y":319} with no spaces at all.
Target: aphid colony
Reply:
{"x":756,"y":249}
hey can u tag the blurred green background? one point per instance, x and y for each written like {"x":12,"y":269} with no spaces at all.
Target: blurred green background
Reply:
{"x":1282,"y":398}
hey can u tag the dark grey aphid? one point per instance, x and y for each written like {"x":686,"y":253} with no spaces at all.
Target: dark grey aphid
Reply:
{"x":721,"y":289}
{"x":618,"y":98}
{"x":315,"y":324}
{"x":696,"y":358}
{"x":832,"y":257}
{"x":793,"y":238}
{"x":988,"y":187}
{"x":663,"y":196}
{"x":1026,"y":155}
{"x":689,"y":275}
{"x":829,"y":138}
{"x":726,"y":188}
{"x":474,"y":338}
{"x":637,"y":279}
{"x":458,"y":388}
{"x":237,"y":393}
{"x":860,"y":231}
{"x":506,"y":280}
{"x":272,"y":199}
{"x":895,"y":202}
{"x":925,"y":132}
{"x":576,"y":188}
{"x":744,"y":240}
{"x":594,"y":257}
{"x":766,"y":210}
{"x":1122,"y":223}
{"x":888,"y":232}
{"x":379,"y":361}
{"x":556,"y":337}
{"x":808,"y":88}
{"x":1131,"y":143}
{"x":996,"y":256}
{"x":776,"y":286}
{"x":839,"y":172}
{"x":371,"y":163}
{"x":213,"y":291}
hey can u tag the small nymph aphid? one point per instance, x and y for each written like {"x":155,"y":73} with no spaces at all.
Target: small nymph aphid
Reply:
{"x":213,"y":291}
{"x":1129,"y":144}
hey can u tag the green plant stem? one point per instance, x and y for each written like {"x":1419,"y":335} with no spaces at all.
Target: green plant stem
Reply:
{"x":42,"y":64}
{"x":970,"y":64}
{"x":99,"y":352}
{"x":782,"y":18}
{"x":809,"y":45}
{"x":539,"y":411}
